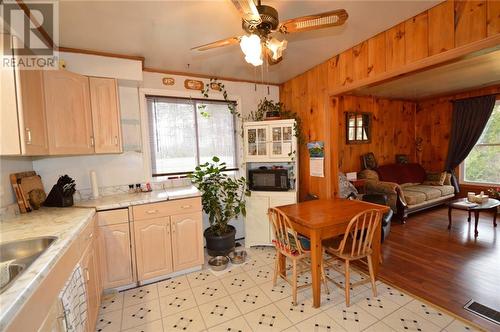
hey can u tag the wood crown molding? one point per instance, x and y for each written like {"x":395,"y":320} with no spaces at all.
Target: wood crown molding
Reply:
{"x":180,"y":73}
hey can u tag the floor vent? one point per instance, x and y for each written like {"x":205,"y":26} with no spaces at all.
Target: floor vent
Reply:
{"x":483,"y":311}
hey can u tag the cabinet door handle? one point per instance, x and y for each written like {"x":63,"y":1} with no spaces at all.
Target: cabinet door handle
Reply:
{"x":173,"y":228}
{"x":152,"y":211}
{"x":91,"y":235}
{"x":185,"y":206}
{"x":87,"y":274}
{"x":116,"y":140}
{"x":28,"y":136}
{"x":92,"y":142}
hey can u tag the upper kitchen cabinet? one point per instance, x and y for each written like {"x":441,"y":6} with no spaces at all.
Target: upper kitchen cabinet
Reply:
{"x":31,"y":112}
{"x":23,"y":122}
{"x":9,"y":129}
{"x":105,"y":115}
{"x":69,"y":115}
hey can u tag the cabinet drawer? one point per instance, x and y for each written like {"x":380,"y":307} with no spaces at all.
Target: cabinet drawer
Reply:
{"x":112,"y":217}
{"x":87,"y":235}
{"x":164,"y":209}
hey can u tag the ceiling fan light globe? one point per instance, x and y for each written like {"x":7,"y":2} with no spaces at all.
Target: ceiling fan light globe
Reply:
{"x":276,"y":47}
{"x":252,"y":48}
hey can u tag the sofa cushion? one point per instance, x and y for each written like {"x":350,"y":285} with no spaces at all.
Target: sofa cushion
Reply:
{"x":414,"y":197}
{"x":421,"y":193}
{"x":401,"y":173}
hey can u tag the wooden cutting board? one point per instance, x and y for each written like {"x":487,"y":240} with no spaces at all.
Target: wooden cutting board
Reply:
{"x":23,"y":183}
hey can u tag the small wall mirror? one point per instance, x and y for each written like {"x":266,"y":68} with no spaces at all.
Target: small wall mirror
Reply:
{"x":358,"y":127}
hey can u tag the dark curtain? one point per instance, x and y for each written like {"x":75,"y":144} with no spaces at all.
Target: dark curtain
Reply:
{"x":467,"y":124}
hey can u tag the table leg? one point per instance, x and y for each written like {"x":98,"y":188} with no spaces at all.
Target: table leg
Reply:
{"x":476,"y":217}
{"x":316,"y":257}
{"x":494,"y":217}
{"x":449,"y":216}
{"x":377,"y":247}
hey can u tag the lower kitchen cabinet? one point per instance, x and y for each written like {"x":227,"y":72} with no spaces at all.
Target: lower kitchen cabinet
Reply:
{"x":258,"y":230}
{"x":90,"y":267}
{"x":115,"y":255}
{"x":153,"y":247}
{"x":187,"y":240}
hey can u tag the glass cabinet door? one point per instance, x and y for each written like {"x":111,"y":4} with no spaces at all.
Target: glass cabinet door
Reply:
{"x":251,"y":141}
{"x":256,"y":141}
{"x":261,"y":141}
{"x":281,"y":141}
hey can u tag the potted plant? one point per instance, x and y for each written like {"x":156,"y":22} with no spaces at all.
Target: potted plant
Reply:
{"x":223,"y":198}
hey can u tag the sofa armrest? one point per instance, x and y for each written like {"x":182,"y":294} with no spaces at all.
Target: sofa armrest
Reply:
{"x":382,"y":187}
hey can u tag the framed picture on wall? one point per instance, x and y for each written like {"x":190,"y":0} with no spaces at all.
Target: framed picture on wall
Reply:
{"x":358,"y":127}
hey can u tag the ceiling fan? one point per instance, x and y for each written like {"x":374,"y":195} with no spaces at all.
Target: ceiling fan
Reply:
{"x":260,"y":22}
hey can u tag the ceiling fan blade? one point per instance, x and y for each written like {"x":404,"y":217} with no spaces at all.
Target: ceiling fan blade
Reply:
{"x":219,"y":43}
{"x":248,"y":11}
{"x":314,"y":22}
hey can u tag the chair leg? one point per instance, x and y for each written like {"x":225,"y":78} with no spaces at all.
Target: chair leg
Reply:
{"x":372,"y":275}
{"x":323,"y":276}
{"x":347,"y":283}
{"x":294,"y":281}
{"x":276,"y":269}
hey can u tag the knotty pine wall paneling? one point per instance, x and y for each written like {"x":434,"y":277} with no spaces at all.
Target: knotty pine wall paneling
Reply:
{"x":470,"y":21}
{"x":441,"y":27}
{"x":376,"y":55}
{"x":393,"y":130}
{"x":314,"y":94}
{"x":395,"y":47}
{"x":417,"y":37}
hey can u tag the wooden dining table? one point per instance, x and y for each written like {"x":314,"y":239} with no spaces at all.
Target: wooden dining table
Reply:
{"x":323,"y":219}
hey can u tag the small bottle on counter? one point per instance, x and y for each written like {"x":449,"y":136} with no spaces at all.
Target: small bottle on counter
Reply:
{"x":138,"y":188}
{"x":131,"y":189}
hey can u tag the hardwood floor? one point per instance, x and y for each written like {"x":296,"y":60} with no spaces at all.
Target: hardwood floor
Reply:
{"x":447,"y":268}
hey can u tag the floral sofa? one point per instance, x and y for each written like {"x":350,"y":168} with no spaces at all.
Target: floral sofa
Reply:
{"x":409,"y":188}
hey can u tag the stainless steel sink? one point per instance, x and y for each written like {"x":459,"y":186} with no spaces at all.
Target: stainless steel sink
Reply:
{"x":21,"y":254}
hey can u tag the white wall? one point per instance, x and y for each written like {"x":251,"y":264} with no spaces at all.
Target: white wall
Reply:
{"x":10,"y":165}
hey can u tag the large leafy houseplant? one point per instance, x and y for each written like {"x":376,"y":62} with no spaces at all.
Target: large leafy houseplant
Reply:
{"x":223,"y":197}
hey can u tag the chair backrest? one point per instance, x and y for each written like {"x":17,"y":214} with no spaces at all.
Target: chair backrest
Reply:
{"x":360,"y":230}
{"x":285,"y":236}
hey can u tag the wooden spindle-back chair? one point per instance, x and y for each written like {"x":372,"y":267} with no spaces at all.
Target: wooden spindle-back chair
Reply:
{"x":288,"y":242}
{"x":357,"y":244}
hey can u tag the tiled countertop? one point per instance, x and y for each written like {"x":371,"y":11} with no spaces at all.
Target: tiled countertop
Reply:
{"x":66,"y":224}
{"x":125,"y":200}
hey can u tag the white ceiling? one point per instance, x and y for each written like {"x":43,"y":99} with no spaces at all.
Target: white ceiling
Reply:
{"x":164,"y":31}
{"x":464,"y":75}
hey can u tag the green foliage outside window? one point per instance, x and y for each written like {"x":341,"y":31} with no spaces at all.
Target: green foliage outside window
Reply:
{"x":483,"y":162}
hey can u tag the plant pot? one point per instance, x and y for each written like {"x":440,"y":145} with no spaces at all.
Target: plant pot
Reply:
{"x":219,"y":245}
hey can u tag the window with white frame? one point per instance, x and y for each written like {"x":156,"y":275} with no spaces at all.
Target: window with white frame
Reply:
{"x":184,"y":133}
{"x":482,"y":165}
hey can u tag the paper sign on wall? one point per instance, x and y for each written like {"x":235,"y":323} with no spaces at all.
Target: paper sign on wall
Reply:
{"x":317,"y":158}
{"x":316,"y":167}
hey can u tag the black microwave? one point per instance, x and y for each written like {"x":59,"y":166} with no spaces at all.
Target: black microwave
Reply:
{"x":269,"y":179}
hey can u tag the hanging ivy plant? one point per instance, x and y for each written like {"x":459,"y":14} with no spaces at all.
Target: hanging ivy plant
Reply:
{"x":277,"y":109}
{"x":231,"y":105}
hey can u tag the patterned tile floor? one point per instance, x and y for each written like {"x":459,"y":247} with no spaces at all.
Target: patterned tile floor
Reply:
{"x":245,"y":300}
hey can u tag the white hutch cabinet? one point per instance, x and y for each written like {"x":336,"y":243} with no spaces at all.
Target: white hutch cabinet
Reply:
{"x":268,"y":143}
